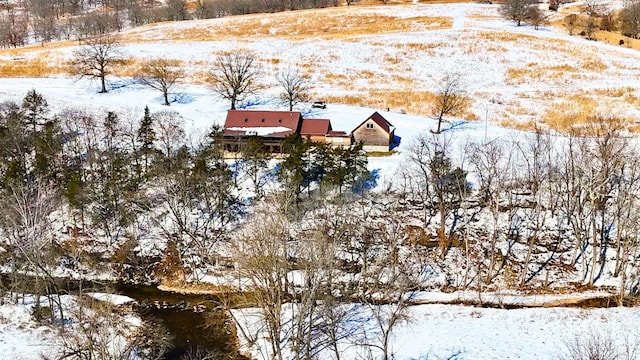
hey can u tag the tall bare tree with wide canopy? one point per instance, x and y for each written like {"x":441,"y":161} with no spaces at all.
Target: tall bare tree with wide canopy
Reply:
{"x":96,"y":57}
{"x":161,"y":75}
{"x":294,"y":86}
{"x":450,"y":98}
{"x":235,"y":76}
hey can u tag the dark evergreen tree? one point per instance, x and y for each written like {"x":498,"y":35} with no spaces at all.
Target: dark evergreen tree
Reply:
{"x":449,"y":187}
{"x":35,"y":106}
{"x":114,"y":189}
{"x":49,"y":163}
{"x":293,"y":172}
{"x":146,"y":136}
{"x":202,"y":198}
{"x":255,"y":157}
{"x":15,"y":145}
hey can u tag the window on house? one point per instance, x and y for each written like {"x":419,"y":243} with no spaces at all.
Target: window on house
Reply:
{"x":369,"y":126}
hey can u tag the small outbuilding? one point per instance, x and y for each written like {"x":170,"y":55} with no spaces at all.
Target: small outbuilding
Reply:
{"x":375,"y":133}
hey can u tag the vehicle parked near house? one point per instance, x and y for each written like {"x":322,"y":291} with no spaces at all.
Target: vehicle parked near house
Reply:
{"x":319,"y":105}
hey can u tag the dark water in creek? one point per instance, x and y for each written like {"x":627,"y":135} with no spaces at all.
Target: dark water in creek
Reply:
{"x":194,"y":322}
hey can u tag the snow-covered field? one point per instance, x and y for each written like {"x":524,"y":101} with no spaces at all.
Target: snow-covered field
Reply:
{"x":441,"y":331}
{"x":437,"y":331}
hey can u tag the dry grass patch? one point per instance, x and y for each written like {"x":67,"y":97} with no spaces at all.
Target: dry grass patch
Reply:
{"x":337,"y":79}
{"x":537,"y":72}
{"x":614,"y":37}
{"x":38,"y":48}
{"x":412,"y":50}
{"x":576,"y":111}
{"x":16,"y":68}
{"x":132,"y":67}
{"x":615,"y":92}
{"x":401,"y":80}
{"x":395,"y":59}
{"x":417,"y":102}
{"x":631,"y":99}
{"x":519,"y":125}
{"x":128,"y":67}
{"x":482,"y":16}
{"x":566,"y":114}
{"x":193,"y":34}
{"x":520,"y":110}
{"x":562,"y":68}
{"x":440,"y":1}
{"x":349,"y":99}
{"x":326,"y":23}
{"x":634,"y":128}
{"x":367,"y":74}
{"x":515,"y":76}
{"x":594,"y":64}
{"x":498,"y":36}
{"x":421,"y":46}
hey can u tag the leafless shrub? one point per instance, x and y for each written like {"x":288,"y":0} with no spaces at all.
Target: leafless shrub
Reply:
{"x":599,"y":346}
{"x":99,"y":330}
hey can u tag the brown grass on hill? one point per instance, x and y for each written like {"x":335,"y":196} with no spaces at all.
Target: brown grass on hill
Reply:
{"x":132,"y":67}
{"x":22,"y":67}
{"x":609,"y":37}
{"x":594,"y":64}
{"x":339,"y":22}
{"x":503,"y":36}
{"x":417,"y":102}
{"x":613,"y":92}
{"x":632,"y":99}
{"x":38,"y":48}
{"x":565,"y":114}
{"x":541,"y":72}
{"x":518,"y":125}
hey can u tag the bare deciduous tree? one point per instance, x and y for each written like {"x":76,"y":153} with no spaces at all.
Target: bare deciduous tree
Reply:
{"x":571,"y":22}
{"x":176,"y":10}
{"x":14,"y":29}
{"x":294,"y":86}
{"x":536,"y":17}
{"x":630,"y":19}
{"x":26,"y":224}
{"x":261,"y":253}
{"x":389,"y":283}
{"x":450,"y":98}
{"x":516,"y":10}
{"x":95,"y":58}
{"x":98,"y":331}
{"x":235,"y":76}
{"x":162,"y":75}
{"x":593,"y":9}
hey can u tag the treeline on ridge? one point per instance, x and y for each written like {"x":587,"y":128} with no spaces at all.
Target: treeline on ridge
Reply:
{"x":29,"y":21}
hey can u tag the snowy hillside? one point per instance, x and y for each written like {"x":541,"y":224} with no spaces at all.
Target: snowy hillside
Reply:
{"x":379,"y":57}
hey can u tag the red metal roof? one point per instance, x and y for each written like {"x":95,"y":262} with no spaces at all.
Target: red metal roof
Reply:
{"x":380,"y":120}
{"x":252,"y":119}
{"x":338,"y":134}
{"x":315,"y":127}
